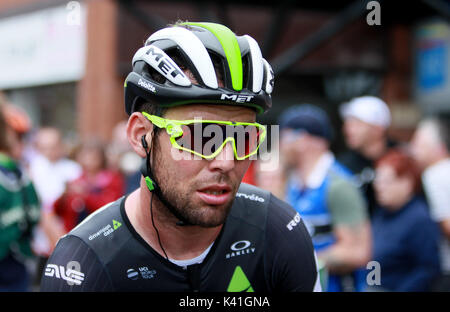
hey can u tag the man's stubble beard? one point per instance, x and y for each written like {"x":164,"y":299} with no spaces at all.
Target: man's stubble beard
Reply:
{"x":181,"y":199}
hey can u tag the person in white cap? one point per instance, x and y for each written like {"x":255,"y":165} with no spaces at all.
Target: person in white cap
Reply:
{"x":366,"y":120}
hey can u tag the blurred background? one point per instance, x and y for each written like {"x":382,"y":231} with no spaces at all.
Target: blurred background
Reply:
{"x":67,"y":69}
{"x":63,"y":65}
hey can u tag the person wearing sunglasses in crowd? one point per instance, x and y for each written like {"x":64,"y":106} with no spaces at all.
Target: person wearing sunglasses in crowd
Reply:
{"x":192,"y":100}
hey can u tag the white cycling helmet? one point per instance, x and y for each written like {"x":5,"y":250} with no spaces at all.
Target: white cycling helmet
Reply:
{"x":206,"y":50}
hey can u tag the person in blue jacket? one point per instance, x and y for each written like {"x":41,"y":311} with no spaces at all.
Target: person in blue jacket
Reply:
{"x":329,"y":203}
{"x":405,"y":237}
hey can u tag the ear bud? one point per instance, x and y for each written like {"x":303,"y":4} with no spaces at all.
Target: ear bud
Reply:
{"x":144,"y":143}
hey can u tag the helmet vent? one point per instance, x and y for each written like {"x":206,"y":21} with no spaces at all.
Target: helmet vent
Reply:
{"x":152,"y":74}
{"x":246,"y":78}
{"x":219,"y":68}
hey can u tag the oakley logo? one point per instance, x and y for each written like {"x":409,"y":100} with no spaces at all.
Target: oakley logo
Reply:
{"x":236,"y":98}
{"x":237,"y":246}
{"x":242,"y":247}
{"x":71,"y":274}
{"x":146,"y":85}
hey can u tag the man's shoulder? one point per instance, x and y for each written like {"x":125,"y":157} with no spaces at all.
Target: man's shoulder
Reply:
{"x":418,"y":208}
{"x":101,"y":226}
{"x":437,"y":172}
{"x":262,"y":207}
{"x":248,"y":192}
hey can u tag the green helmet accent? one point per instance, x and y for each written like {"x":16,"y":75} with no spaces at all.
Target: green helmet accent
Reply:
{"x":231,"y":48}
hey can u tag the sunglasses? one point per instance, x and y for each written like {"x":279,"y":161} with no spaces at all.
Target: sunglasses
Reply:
{"x":206,"y":138}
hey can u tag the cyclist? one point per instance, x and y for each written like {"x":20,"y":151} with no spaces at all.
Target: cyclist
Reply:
{"x":192,"y":225}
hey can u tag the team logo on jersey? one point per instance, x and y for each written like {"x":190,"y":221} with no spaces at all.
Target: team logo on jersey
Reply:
{"x":242,"y":247}
{"x":250,"y":197}
{"x":132,"y":274}
{"x":294,"y":222}
{"x":71,"y":273}
{"x":239,"y":282}
{"x":143,"y":272}
{"x":106,"y":230}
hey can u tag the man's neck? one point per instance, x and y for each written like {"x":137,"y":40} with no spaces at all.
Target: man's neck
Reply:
{"x":178,"y":242}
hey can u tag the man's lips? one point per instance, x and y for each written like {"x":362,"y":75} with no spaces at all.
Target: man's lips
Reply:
{"x":215,"y":194}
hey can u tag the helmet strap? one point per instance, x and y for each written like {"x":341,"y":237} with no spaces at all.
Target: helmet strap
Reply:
{"x":153,"y":186}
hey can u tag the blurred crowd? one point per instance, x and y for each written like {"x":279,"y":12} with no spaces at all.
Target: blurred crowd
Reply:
{"x":381,"y":201}
{"x":378,"y":213}
{"x":62,"y":182}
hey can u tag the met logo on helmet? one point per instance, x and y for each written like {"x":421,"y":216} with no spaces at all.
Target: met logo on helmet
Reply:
{"x":160,"y":61}
{"x":163,"y":63}
{"x":237,"y":98}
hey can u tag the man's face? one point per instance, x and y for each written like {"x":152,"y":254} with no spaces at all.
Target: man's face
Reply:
{"x":391,"y":190}
{"x":91,"y":159}
{"x":292,"y":144}
{"x":50,"y":145}
{"x":357,"y":132}
{"x":201,"y":190}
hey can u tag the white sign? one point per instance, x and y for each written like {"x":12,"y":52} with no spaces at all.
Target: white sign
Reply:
{"x":43,"y":47}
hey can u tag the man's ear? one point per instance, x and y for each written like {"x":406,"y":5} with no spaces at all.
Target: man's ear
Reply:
{"x":138,"y":125}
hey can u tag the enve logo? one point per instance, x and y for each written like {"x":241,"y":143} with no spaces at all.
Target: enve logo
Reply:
{"x":71,"y":274}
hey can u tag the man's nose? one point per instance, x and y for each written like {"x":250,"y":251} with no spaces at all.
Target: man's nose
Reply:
{"x":225,"y":160}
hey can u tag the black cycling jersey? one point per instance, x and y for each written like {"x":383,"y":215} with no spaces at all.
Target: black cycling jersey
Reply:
{"x":263,"y":247}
